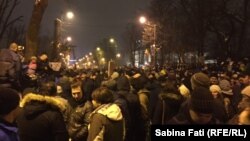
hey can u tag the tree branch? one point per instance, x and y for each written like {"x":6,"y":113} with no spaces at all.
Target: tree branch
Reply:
{"x":14,"y":20}
{"x":4,"y":27}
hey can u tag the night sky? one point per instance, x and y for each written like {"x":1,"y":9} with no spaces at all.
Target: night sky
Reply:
{"x":94,"y":19}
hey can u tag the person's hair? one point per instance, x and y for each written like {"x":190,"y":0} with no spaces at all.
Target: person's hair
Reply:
{"x":139,"y":82}
{"x":48,"y":88}
{"x":9,"y":100}
{"x":13,"y":46}
{"x":103,"y":95}
{"x":75,"y":84}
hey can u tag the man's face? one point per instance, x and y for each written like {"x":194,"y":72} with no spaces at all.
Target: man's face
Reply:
{"x":213,"y":80}
{"x":77,"y":93}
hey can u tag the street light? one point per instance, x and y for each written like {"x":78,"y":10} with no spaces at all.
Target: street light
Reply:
{"x":57,"y":34}
{"x":69,"y":39}
{"x":118,"y":55}
{"x":111,"y":40}
{"x":143,"y":20}
{"x":70,"y":15}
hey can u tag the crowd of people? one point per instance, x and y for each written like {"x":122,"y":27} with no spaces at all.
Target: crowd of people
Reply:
{"x":39,"y":104}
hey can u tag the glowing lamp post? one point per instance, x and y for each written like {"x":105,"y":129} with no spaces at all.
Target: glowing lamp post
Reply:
{"x":144,"y":21}
{"x":57,"y":34}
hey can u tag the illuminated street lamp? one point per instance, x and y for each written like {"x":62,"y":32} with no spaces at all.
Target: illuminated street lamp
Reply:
{"x":70,"y":15}
{"x":69,"y":39}
{"x":57,"y":34}
{"x":143,"y":20}
{"x":103,"y":59}
{"x":111,"y":40}
{"x":98,"y":49}
{"x":118,"y":55}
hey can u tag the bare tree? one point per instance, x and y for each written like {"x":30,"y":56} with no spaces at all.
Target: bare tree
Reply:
{"x":16,"y":33}
{"x":218,"y":26}
{"x":34,"y":26}
{"x":131,"y":37}
{"x":7,"y":8}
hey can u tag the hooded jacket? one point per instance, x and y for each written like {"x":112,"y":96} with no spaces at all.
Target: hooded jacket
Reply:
{"x":106,"y":124}
{"x":167,"y":106}
{"x":41,"y":119}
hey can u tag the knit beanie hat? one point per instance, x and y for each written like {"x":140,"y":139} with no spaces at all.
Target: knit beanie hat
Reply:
{"x":226,"y":87}
{"x":200,"y":79}
{"x":9,"y":100}
{"x":202,"y":100}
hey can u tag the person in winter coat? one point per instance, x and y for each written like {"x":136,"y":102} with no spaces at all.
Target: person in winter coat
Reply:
{"x":79,"y":119}
{"x":10,"y":71}
{"x":9,"y":109}
{"x":168,"y":104}
{"x":41,"y":118}
{"x":139,"y":82}
{"x":32,"y":66}
{"x":43,"y":69}
{"x":106,"y":121}
{"x":135,"y":120}
{"x":199,"y":110}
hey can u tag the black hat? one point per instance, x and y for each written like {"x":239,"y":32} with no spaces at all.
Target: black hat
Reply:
{"x":202,"y":100}
{"x":9,"y":100}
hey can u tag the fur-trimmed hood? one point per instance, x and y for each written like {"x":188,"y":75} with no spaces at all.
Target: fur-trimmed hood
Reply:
{"x":39,"y":103}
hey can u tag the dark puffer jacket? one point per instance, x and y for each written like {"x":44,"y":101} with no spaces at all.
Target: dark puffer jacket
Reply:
{"x":41,"y":119}
{"x":79,"y":120}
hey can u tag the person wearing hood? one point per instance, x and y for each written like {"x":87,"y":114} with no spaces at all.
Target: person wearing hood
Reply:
{"x":106,"y":121}
{"x":199,"y":109}
{"x":41,"y":118}
{"x":168,"y":104}
{"x":131,"y":110}
{"x":9,"y":109}
{"x":138,"y":83}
